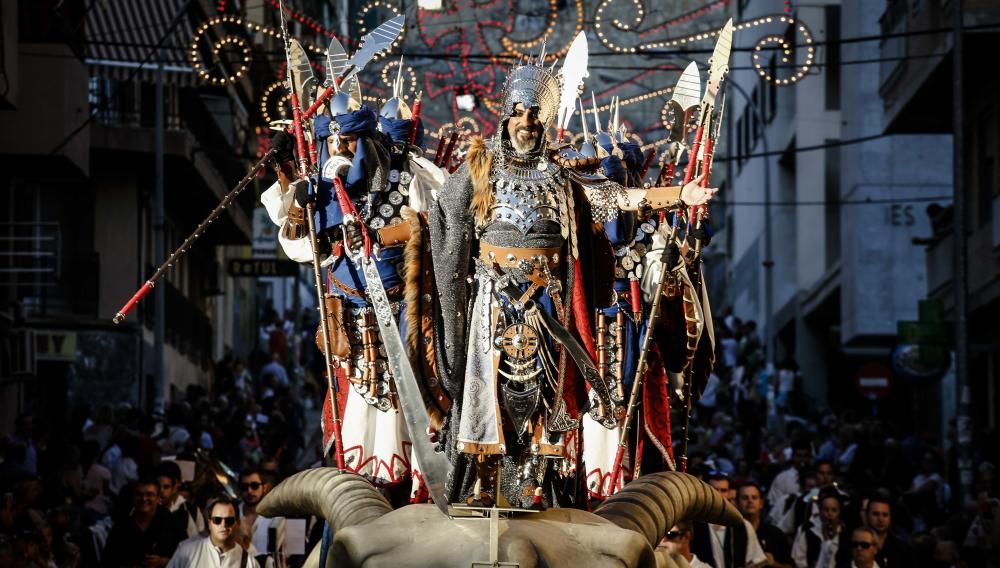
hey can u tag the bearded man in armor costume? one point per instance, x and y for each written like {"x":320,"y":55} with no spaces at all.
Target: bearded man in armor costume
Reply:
{"x":520,"y":264}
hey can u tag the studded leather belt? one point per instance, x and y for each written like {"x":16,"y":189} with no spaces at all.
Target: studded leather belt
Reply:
{"x":512,"y":257}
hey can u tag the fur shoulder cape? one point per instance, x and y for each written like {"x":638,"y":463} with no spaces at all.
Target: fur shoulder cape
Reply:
{"x":480,"y":160}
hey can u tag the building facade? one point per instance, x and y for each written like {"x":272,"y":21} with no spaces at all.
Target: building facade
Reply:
{"x":824,"y":208}
{"x":79,"y":224}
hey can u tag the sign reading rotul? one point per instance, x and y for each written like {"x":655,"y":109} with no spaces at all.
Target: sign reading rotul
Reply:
{"x":257,"y":267}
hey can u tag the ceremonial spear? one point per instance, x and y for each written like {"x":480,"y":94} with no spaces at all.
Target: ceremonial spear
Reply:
{"x":718,"y":67}
{"x":685,"y":98}
{"x":304,"y":168}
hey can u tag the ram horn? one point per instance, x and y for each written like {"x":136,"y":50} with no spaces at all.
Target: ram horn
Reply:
{"x":652,"y":504}
{"x":343,"y":499}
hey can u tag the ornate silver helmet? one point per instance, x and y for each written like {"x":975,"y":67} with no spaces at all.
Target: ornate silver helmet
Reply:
{"x":533,"y":85}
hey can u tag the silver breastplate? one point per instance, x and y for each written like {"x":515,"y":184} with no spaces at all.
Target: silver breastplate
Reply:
{"x":526,"y":197}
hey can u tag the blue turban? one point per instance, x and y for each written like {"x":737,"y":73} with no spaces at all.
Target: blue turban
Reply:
{"x":360,"y":122}
{"x":614,"y":169}
{"x":632,"y":155}
{"x":321,"y":125}
{"x":399,"y":129}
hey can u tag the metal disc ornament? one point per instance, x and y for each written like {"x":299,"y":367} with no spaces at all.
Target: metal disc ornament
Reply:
{"x":520,"y":341}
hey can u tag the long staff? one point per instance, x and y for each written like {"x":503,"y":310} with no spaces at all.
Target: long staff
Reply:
{"x":640,"y":370}
{"x":297,"y":118}
{"x":199,"y":231}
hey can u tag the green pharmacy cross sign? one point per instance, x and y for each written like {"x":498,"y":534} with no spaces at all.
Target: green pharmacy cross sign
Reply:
{"x":930,"y":333}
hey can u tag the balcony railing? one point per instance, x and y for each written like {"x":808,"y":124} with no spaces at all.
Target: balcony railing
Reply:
{"x":29,"y":254}
{"x":132,"y":103}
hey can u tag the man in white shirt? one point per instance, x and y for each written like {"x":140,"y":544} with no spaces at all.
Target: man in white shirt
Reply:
{"x":254,"y":485}
{"x":186,"y":515}
{"x":786,"y":483}
{"x":220,"y":548}
{"x":864,"y":547}
{"x":677,"y":542}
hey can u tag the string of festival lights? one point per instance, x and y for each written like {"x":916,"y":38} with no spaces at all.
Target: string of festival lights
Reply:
{"x":466,"y":71}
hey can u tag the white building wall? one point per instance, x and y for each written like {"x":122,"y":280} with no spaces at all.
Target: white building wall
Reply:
{"x":798,"y":245}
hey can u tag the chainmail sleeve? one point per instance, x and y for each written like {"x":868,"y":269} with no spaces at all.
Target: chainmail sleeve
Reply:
{"x":451,"y":229}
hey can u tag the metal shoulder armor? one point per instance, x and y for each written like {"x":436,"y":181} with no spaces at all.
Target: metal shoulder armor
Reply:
{"x":604,"y":195}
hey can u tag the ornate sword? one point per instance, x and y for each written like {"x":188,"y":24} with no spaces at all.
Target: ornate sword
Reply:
{"x":434,"y":464}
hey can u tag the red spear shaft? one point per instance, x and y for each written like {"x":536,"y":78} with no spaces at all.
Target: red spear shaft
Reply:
{"x":416,"y":119}
{"x":648,"y":163}
{"x":446,"y":160}
{"x":440,"y":152}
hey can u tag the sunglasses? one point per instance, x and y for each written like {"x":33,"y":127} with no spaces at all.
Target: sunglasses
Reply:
{"x":674,"y":535}
{"x":254,"y":485}
{"x":861,"y":544}
{"x":230,"y":521}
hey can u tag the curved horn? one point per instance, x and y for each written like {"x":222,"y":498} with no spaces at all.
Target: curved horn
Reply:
{"x":653,"y":503}
{"x":343,"y":499}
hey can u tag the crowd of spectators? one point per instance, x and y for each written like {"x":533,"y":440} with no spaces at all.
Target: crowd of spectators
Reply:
{"x":120,"y":487}
{"x":115,"y":486}
{"x":822,"y":489}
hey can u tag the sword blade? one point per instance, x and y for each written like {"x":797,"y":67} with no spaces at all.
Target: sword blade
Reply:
{"x":718,"y":65}
{"x":379,"y":39}
{"x":687,"y":91}
{"x":434,"y":464}
{"x":336,"y":61}
{"x":301,"y":72}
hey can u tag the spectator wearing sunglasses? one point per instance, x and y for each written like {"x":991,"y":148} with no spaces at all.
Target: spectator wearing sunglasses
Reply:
{"x":254,"y":485}
{"x":677,"y":542}
{"x":221,"y":548}
{"x":864,"y":548}
{"x":148,"y":537}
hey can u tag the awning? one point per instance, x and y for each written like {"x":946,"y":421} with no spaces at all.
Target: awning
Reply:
{"x":123,"y":39}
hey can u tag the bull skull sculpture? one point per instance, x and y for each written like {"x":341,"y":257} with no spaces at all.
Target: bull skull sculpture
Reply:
{"x":623,"y":531}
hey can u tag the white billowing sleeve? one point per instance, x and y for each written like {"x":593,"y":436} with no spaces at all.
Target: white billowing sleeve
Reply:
{"x":427,"y":180}
{"x":277,"y":205}
{"x":654,"y":263}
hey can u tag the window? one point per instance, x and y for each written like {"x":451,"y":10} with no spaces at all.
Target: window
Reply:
{"x":986,"y":148}
{"x":832,"y":70}
{"x":831,"y":192}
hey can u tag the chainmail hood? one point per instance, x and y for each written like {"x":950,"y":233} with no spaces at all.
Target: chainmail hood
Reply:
{"x":533,"y":85}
